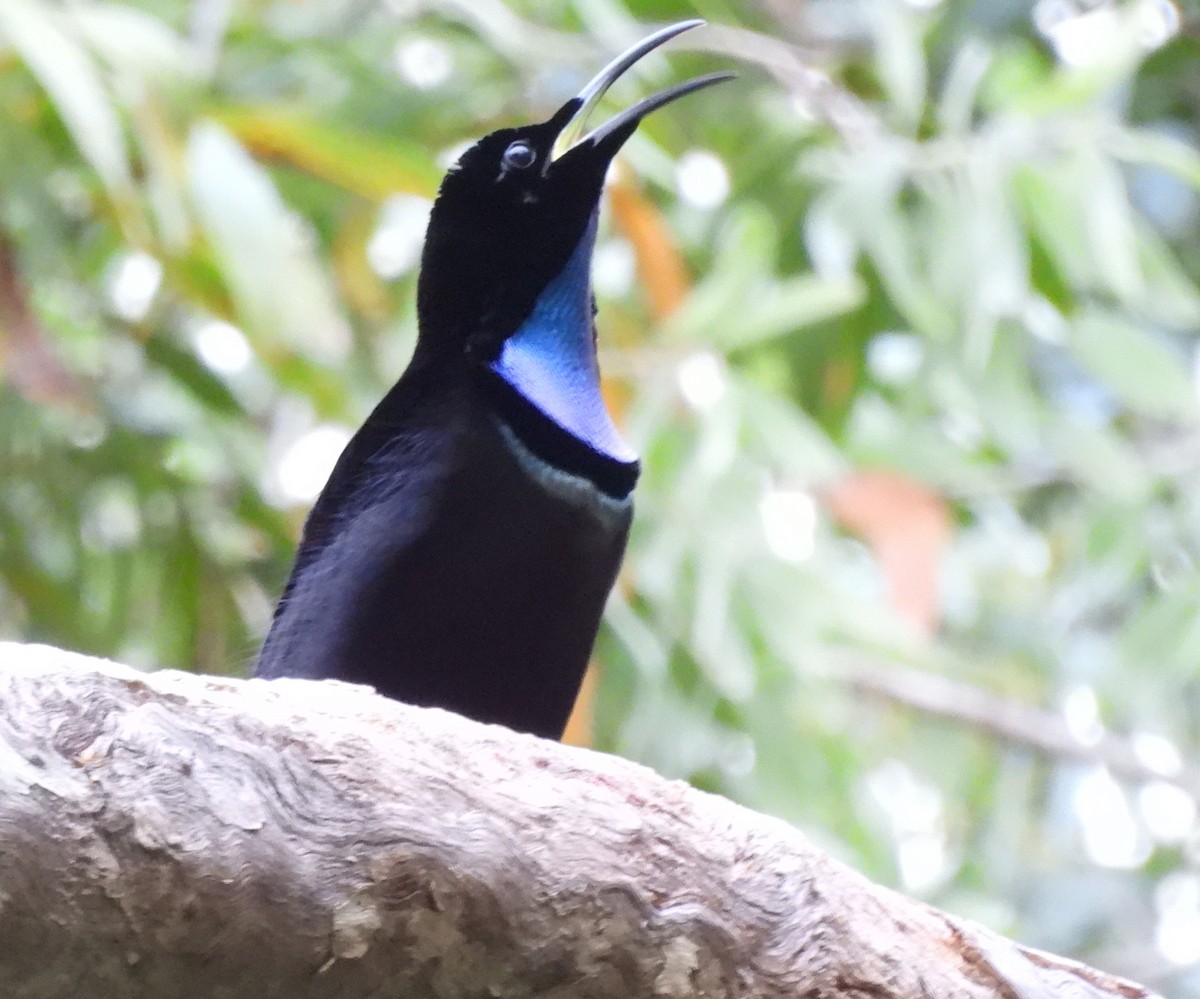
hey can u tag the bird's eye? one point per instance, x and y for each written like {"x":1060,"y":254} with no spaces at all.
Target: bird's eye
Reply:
{"x":519,"y":155}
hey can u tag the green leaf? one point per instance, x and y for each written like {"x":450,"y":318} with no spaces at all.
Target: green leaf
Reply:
{"x":1102,"y":461}
{"x":1165,"y":632}
{"x":268,"y":260}
{"x":1147,"y":374}
{"x":355,"y":161}
{"x":902,"y":68}
{"x":742,"y":303}
{"x":203,"y":385}
{"x":134,"y":43}
{"x":42,"y":37}
{"x":1158,"y":149}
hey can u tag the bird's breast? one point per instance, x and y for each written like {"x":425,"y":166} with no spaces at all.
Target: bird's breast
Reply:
{"x":477,"y":585}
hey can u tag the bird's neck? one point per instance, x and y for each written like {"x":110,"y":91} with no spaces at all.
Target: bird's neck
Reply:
{"x":550,"y":360}
{"x":532,"y":349}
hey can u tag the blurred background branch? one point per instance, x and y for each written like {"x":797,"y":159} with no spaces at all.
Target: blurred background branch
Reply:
{"x":1044,"y":732}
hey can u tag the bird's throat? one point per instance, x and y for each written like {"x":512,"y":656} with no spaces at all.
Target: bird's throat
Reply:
{"x":550,"y":361}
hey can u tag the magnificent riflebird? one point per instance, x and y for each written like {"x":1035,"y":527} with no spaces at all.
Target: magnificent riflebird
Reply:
{"x":461,"y":553}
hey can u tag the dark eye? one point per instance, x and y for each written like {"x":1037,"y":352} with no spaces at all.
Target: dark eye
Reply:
{"x":519,"y":155}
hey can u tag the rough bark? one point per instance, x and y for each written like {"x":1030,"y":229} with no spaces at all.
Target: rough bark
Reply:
{"x":168,"y":835}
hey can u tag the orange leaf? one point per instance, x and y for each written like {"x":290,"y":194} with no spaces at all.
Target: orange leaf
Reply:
{"x":661,"y":270}
{"x":579,"y":727}
{"x":907,"y":526}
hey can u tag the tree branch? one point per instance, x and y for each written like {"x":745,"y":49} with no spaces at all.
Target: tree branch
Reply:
{"x":170,"y":835}
{"x":1028,"y":726}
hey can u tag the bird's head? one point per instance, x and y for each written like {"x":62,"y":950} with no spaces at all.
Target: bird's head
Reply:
{"x":505,"y":272}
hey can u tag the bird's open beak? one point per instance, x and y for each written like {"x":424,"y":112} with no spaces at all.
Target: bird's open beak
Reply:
{"x":580,"y":107}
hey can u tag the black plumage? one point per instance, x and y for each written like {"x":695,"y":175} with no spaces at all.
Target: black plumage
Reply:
{"x":462,"y":550}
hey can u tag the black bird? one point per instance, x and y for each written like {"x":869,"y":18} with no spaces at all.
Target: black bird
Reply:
{"x":462,"y":550}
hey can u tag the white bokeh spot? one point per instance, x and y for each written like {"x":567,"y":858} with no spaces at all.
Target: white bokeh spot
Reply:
{"x":423,"y":62}
{"x":789,"y":522}
{"x":222,"y":346}
{"x":133,"y":283}
{"x":305,"y":466}
{"x":701,"y":178}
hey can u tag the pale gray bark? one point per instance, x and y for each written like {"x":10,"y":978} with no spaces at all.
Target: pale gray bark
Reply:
{"x":167,"y":835}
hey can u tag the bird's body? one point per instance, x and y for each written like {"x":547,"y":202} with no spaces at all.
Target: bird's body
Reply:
{"x":469,"y":573}
{"x":462,"y":550}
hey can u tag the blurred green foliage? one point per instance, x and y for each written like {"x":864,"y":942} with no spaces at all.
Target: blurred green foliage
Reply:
{"x":904,"y":322}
